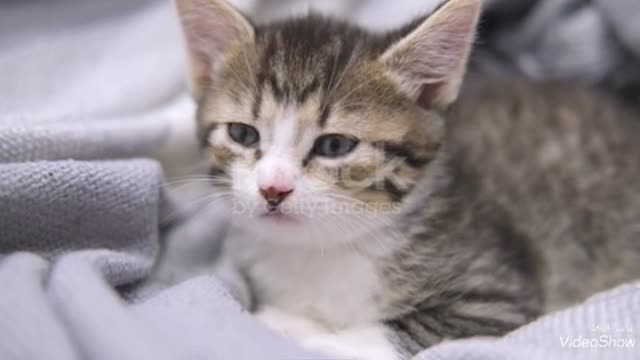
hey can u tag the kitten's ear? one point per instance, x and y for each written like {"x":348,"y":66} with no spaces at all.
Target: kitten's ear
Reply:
{"x":430,"y":62}
{"x":211,"y":29}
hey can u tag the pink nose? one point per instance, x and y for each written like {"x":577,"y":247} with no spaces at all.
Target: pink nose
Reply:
{"x":275,"y":195}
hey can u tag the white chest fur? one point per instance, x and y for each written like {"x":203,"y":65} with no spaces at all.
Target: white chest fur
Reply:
{"x":337,"y":287}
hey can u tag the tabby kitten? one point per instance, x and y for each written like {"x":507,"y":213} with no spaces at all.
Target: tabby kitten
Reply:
{"x":372,"y":222}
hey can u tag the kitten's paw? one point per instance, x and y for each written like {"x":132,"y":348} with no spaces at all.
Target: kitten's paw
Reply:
{"x":362,"y":343}
{"x":368,"y":343}
{"x":289,"y":325}
{"x":332,"y":347}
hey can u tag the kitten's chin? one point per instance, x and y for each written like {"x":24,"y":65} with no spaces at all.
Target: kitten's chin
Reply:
{"x":272,"y":225}
{"x":279,"y":219}
{"x":299,"y":230}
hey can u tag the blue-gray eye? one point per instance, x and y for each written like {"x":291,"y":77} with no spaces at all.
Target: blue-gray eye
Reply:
{"x":333,"y":146}
{"x":244,"y":134}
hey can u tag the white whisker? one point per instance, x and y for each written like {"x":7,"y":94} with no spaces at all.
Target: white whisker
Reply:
{"x":189,"y":205}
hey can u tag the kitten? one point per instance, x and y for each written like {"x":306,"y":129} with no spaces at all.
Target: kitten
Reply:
{"x":373,"y":222}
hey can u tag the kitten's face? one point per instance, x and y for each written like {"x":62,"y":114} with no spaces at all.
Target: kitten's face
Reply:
{"x":312,"y":126}
{"x":326,"y":130}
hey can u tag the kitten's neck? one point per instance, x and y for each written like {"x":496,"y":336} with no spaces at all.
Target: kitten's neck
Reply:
{"x":436,"y":194}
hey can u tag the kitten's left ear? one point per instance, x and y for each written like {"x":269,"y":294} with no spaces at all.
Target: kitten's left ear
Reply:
{"x":430,"y":62}
{"x":211,"y":28}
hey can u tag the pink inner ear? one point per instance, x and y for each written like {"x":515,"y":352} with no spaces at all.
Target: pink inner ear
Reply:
{"x":210,"y":28}
{"x":433,"y":57}
{"x":202,"y":72}
{"x":428,"y":94}
{"x":204,"y":39}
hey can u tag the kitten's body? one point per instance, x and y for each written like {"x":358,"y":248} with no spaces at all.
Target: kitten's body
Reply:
{"x":541,"y":184}
{"x":523,"y":200}
{"x":564,"y":162}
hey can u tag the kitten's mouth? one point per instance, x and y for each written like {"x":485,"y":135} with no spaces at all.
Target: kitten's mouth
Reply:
{"x":276,"y":215}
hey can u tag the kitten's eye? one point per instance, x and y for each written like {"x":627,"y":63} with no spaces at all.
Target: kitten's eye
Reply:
{"x":333,"y":146}
{"x":244,"y":134}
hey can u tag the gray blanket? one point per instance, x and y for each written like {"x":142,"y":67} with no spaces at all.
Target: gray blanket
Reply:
{"x":105,"y":255}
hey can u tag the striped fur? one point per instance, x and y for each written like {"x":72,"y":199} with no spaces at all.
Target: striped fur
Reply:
{"x":490,"y":198}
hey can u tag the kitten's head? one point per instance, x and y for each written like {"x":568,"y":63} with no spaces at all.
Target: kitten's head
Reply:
{"x":320,"y":125}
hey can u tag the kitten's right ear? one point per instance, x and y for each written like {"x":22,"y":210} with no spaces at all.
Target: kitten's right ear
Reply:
{"x":429,"y":63}
{"x":211,"y":29}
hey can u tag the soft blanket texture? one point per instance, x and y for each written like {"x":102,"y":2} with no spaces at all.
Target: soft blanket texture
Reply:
{"x":100,"y":258}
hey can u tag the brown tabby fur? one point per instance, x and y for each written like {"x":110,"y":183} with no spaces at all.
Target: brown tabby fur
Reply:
{"x":547,"y":175}
{"x":563,"y":161}
{"x":518,"y":200}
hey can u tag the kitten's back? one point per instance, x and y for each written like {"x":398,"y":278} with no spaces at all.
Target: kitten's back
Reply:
{"x":565,"y":163}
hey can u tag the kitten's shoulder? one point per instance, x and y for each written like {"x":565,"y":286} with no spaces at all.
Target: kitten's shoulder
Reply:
{"x":490,"y":111}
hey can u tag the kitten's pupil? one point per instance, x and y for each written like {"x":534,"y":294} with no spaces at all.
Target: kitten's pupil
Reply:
{"x":334,"y":145}
{"x":244,"y":134}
